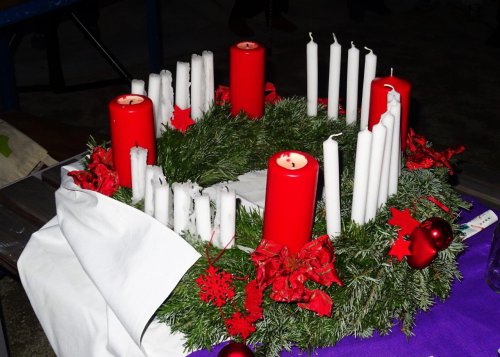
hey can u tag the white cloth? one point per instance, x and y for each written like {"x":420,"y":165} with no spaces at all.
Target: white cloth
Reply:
{"x":97,"y":272}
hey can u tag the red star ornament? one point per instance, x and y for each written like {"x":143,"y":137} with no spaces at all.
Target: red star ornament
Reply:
{"x":182,"y":119}
{"x":404,"y":220}
{"x":400,"y":248}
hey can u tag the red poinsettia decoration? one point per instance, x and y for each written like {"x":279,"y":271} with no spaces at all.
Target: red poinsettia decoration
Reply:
{"x":287,"y":274}
{"x":100,"y":175}
{"x":421,"y":156}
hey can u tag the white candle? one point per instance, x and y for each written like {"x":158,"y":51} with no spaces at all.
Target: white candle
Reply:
{"x":182,"y":85}
{"x":138,"y":87}
{"x":182,"y":206}
{"x":227,"y":218}
{"x":351,"y":105}
{"x":197,"y":87}
{"x":394,"y":107}
{"x":138,"y":165}
{"x":153,"y":173}
{"x":312,"y":77}
{"x":166,"y":102}
{"x":332,"y":186}
{"x":334,"y":79}
{"x":376,"y":158}
{"x":388,"y":120}
{"x":361,"y":170}
{"x":208,"y":66}
{"x":161,"y":191}
{"x":154,"y":94}
{"x":202,"y":214}
{"x":368,"y":76}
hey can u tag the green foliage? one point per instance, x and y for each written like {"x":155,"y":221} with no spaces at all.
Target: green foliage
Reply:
{"x":377,"y":291}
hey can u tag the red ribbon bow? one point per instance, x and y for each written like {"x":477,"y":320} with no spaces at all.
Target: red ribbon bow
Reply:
{"x":421,"y":156}
{"x":288,"y":273}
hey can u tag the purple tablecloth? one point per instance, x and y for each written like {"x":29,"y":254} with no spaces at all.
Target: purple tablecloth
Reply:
{"x":466,"y":324}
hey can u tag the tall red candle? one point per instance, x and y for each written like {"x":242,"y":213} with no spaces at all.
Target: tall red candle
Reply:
{"x":292,"y":178}
{"x":378,"y":102}
{"x":132,"y":124}
{"x":246,"y":78}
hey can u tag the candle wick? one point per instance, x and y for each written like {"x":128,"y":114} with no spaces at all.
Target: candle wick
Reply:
{"x":293,"y":164}
{"x":388,"y":85}
{"x":338,"y":134}
{"x":369,"y":49}
{"x":161,"y":182}
{"x":310,"y":35}
{"x":247,"y":44}
{"x":334,"y":37}
{"x":130,"y":103}
{"x":352,"y":44}
{"x":391,"y":71}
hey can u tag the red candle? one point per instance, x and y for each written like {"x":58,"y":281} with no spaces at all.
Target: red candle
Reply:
{"x":378,"y":102}
{"x":246,"y":79}
{"x":132,"y":124}
{"x":292,"y":178}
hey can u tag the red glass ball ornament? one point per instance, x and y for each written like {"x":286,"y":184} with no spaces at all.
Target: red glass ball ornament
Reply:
{"x":422,"y":248}
{"x":439,"y":230}
{"x":236,"y":349}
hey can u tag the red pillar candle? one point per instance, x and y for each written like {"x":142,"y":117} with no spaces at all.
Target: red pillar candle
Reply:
{"x":132,"y":124}
{"x":292,"y":178}
{"x":246,"y":78}
{"x":378,"y":102}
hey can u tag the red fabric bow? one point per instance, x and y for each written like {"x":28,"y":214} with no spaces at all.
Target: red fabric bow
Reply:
{"x":223,"y":94}
{"x":288,"y":273}
{"x":421,"y":156}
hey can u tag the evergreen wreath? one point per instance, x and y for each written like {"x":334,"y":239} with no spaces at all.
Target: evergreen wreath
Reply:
{"x":378,"y":291}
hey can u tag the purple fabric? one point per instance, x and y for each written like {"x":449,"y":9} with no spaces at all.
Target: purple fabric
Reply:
{"x":466,"y":324}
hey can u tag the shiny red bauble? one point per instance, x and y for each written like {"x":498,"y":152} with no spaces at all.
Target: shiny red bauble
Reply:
{"x":422,"y":248}
{"x":439,"y":230}
{"x":236,"y":349}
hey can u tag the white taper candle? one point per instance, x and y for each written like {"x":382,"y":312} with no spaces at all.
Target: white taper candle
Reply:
{"x":161,"y":201}
{"x":227,"y":218}
{"x":182,"y":85}
{"x":332,"y":186}
{"x":351,"y":105}
{"x":388,"y":120}
{"x":137,"y":86}
{"x":138,"y":164}
{"x":202,"y":214}
{"x":197,"y":87}
{"x":368,"y":76}
{"x":208,"y":66}
{"x":312,"y":77}
{"x":182,"y":205}
{"x":334,"y":79}
{"x":376,"y":158}
{"x":361,"y":170}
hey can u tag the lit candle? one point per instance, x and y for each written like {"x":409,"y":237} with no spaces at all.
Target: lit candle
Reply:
{"x":182,"y":85}
{"x":227,"y":218}
{"x":292,"y":179}
{"x":246,"y":79}
{"x":154,"y":84}
{"x":369,"y":75}
{"x":132,"y":124}
{"x":197,"y":87}
{"x":312,"y":77}
{"x":202,"y":216}
{"x":138,"y":87}
{"x":166,"y":102}
{"x":351,"y":105}
{"x":138,"y":157}
{"x":388,"y":121}
{"x":334,"y":79}
{"x":161,"y":201}
{"x":332,"y":186}
{"x":376,"y":158}
{"x":182,"y":206}
{"x":394,"y":107}
{"x":378,"y":102}
{"x":208,"y":66}
{"x":361,"y":170}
